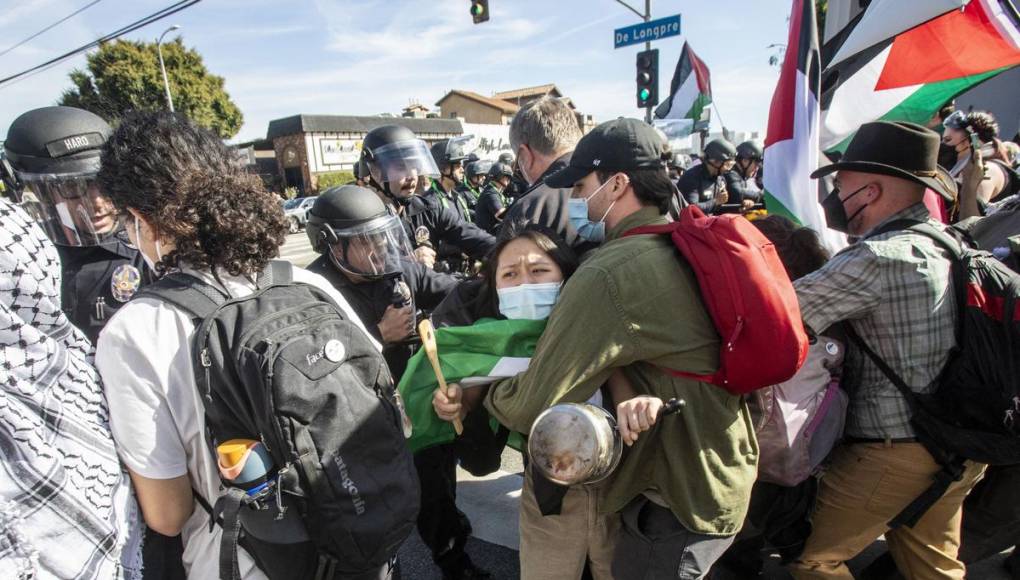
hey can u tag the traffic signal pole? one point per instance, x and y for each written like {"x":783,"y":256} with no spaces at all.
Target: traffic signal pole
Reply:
{"x":648,"y":46}
{"x":647,"y":16}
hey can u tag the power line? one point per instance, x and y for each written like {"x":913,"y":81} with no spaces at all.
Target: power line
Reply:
{"x":52,"y":26}
{"x":154,"y":17}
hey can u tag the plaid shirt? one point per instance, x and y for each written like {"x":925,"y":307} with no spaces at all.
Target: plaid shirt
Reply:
{"x":895,"y":291}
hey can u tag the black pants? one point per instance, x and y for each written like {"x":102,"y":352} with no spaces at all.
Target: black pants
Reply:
{"x":442,"y":526}
{"x":162,"y":557}
{"x":654,"y":545}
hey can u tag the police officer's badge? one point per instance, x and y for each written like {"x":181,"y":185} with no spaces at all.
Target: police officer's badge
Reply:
{"x":421,"y":235}
{"x":125,"y":282}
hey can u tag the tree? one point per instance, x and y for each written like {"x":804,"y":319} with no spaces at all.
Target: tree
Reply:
{"x":124,"y":76}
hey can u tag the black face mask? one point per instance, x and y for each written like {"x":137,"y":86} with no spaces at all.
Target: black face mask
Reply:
{"x":835,"y":211}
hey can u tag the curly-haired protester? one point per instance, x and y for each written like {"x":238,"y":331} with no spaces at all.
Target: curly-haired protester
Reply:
{"x":188,"y":207}
{"x":66,"y":509}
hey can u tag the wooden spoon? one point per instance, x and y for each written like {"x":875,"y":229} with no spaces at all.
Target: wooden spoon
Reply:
{"x":428,"y":340}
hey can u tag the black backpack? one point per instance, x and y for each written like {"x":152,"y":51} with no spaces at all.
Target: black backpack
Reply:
{"x":285,"y":366}
{"x":974,"y":410}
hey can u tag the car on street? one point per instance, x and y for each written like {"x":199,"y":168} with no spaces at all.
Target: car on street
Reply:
{"x":297,"y":210}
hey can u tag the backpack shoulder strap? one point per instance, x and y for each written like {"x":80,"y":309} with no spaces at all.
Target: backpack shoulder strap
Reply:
{"x":277,"y":272}
{"x":883,"y":366}
{"x":654,"y":229}
{"x":186,"y":292}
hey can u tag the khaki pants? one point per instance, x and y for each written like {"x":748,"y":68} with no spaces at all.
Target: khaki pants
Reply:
{"x":865,"y":487}
{"x":556,"y":547}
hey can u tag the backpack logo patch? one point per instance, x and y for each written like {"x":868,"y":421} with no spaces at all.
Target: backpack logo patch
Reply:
{"x":333,"y":351}
{"x":348,"y":484}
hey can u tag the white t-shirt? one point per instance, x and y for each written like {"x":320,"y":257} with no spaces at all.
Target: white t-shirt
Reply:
{"x":156,"y":415}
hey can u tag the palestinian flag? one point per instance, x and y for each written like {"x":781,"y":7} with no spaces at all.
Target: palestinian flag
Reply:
{"x":909,"y":75}
{"x":473,"y":355}
{"x":690,"y":92}
{"x":791,"y":141}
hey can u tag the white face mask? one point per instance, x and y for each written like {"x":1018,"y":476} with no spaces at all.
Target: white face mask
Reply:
{"x":138,"y":243}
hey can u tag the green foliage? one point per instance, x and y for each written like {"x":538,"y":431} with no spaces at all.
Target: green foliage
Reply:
{"x":334,"y":178}
{"x":124,"y":76}
{"x":290,"y":193}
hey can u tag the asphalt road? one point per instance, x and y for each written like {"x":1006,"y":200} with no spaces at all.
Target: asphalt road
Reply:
{"x":491,"y":504}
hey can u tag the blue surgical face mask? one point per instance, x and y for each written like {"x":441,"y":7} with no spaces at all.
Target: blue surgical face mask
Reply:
{"x":577,"y":214}
{"x":528,"y":301}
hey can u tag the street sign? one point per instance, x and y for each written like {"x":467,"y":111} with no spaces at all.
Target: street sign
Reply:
{"x":647,"y":31}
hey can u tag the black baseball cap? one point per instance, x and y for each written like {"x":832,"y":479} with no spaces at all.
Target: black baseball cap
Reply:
{"x":618,"y":145}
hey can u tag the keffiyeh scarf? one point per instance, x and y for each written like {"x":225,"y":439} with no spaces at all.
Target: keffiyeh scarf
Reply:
{"x":66,"y":508}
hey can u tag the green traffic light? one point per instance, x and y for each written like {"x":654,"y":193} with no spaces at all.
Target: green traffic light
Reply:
{"x":477,"y":10}
{"x":645,"y":93}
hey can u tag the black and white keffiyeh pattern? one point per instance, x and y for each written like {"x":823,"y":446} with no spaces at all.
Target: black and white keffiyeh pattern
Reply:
{"x":66,"y":508}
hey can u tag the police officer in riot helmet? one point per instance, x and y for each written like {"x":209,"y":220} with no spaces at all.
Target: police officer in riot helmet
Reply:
{"x":742,"y":179}
{"x":50,"y":161}
{"x":451,"y":156}
{"x":518,"y":185}
{"x":704,"y":185}
{"x":366,"y":255}
{"x":492,"y":205}
{"x":395,"y":162}
{"x":474,"y":181}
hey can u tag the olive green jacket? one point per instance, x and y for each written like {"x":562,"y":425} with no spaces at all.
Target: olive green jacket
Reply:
{"x":635,"y":304}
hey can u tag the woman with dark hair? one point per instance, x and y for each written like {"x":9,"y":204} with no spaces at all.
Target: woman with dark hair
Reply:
{"x":189,"y":207}
{"x":981,"y":182}
{"x":547,"y":258}
{"x":561,"y":535}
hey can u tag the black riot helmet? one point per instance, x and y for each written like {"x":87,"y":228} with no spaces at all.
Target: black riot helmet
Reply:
{"x":477,"y":168}
{"x":50,"y":161}
{"x":360,"y":234}
{"x":720,"y":150}
{"x":750,"y":150}
{"x":393,"y":158}
{"x":450,"y":151}
{"x":500,"y":170}
{"x":506,"y":157}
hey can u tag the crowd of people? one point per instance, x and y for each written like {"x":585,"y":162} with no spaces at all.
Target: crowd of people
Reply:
{"x":166,"y":412}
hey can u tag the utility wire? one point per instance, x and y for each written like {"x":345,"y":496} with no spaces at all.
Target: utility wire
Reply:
{"x":156,"y":16}
{"x":52,"y":26}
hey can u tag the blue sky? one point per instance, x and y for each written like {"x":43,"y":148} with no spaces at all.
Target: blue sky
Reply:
{"x":281,"y":58}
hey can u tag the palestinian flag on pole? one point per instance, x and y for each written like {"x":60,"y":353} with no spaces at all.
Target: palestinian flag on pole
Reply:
{"x":690,"y":92}
{"x":473,"y":355}
{"x":909,"y":74}
{"x":791,"y":141}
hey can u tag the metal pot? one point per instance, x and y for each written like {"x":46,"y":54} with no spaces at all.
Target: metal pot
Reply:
{"x":579,"y":443}
{"x":574,"y":443}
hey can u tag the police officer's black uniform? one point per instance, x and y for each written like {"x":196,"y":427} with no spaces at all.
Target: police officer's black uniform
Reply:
{"x":426,"y":288}
{"x":88,"y":279}
{"x":429,"y":224}
{"x":443,"y":528}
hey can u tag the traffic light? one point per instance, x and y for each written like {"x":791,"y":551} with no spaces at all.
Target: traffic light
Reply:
{"x":648,"y":78}
{"x":480,"y":10}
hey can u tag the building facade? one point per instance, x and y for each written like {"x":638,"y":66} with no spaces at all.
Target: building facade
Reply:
{"x":307,"y":146}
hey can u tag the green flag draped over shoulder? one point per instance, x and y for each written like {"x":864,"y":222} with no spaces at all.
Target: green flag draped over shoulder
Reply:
{"x":470,"y":355}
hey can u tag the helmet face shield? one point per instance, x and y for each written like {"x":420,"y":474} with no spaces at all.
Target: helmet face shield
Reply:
{"x":69,"y":207}
{"x":372,"y":250}
{"x":459,"y":148}
{"x":402,"y":161}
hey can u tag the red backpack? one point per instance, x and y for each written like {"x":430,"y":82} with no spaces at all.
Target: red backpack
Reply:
{"x":748,"y":294}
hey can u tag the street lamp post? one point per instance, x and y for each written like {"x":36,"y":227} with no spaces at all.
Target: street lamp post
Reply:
{"x":162,"y":67}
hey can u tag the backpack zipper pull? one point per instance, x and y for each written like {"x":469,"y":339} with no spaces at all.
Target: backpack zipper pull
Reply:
{"x":736,"y":333}
{"x":281,"y":509}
